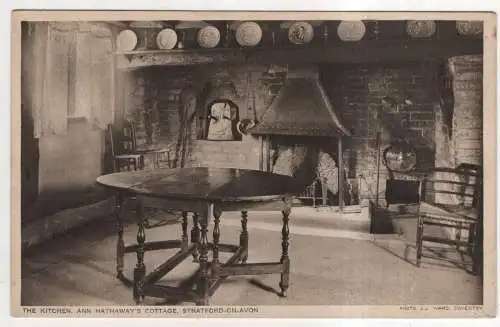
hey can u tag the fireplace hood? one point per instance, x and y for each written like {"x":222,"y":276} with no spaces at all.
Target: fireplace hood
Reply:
{"x":301,"y":108}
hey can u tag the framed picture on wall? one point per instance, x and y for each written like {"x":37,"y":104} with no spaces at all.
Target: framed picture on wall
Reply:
{"x":222,"y":120}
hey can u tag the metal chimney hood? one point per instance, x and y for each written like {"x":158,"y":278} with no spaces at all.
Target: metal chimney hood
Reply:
{"x":301,"y":108}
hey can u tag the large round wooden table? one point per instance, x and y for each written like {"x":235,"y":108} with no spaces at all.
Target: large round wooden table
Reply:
{"x":203,"y":192}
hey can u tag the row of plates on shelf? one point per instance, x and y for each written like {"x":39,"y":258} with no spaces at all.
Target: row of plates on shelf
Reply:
{"x":427,"y":28}
{"x":249,"y":34}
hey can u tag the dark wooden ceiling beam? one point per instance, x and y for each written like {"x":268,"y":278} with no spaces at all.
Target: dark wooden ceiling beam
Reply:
{"x":373,"y":51}
{"x":355,"y":52}
{"x":118,"y":24}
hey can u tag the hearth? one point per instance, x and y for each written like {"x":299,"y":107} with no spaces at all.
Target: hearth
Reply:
{"x":312,"y":161}
{"x":302,"y":135}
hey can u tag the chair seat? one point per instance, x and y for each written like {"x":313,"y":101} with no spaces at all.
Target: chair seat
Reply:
{"x":452,"y":211}
{"x":440,"y":240}
{"x":128,"y":156}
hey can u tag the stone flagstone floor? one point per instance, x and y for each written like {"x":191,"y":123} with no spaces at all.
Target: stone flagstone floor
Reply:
{"x":335,"y":261}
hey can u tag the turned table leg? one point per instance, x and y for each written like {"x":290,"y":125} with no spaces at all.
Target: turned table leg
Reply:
{"x":244,"y":236}
{"x":215,"y":249}
{"x":140,"y":268}
{"x":285,"y":260}
{"x":202,"y":287}
{"x":120,"y":244}
{"x":195,"y":236}
{"x":185,"y":239}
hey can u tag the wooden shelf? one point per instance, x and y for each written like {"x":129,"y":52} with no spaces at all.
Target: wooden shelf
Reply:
{"x":176,"y":51}
{"x":348,"y":52}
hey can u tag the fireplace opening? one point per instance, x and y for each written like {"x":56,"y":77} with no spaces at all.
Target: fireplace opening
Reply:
{"x":313,"y":162}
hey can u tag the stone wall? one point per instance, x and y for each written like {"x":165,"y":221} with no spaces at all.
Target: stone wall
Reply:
{"x":459,"y":132}
{"x":467,"y":72}
{"x":359,"y":90}
{"x":161,"y":88}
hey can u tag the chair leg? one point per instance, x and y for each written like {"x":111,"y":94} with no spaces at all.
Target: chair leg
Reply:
{"x":157,"y":160}
{"x":458,"y":238}
{"x":458,"y":235}
{"x":476,"y":249}
{"x":470,"y":238}
{"x":116,"y":165}
{"x":420,"y":234}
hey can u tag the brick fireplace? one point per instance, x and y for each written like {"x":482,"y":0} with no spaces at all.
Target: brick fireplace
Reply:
{"x":303,"y":135}
{"x":355,"y":91}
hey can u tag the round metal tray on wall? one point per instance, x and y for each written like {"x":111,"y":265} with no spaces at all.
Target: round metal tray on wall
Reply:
{"x":300,"y":33}
{"x":166,"y":39}
{"x":208,"y":37}
{"x":469,"y":28}
{"x":351,"y":30}
{"x":248,"y":34}
{"x":126,"y":40}
{"x":400,"y":157}
{"x":421,"y":28}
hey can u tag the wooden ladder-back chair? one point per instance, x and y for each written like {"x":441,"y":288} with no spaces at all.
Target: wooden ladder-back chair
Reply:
{"x":451,"y":201}
{"x":160,"y":155}
{"x":122,"y":150}
{"x":130,"y":153}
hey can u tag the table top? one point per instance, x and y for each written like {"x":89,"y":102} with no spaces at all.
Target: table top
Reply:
{"x":203,"y":183}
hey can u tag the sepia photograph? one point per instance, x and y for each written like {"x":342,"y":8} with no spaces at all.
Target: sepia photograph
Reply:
{"x":176,"y":164}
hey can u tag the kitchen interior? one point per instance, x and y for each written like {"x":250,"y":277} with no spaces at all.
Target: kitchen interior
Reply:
{"x":348,"y":108}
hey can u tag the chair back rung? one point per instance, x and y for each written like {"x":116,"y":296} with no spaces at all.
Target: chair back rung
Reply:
{"x":450,"y":186}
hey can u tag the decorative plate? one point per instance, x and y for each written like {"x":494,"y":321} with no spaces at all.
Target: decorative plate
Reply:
{"x":248,"y":34}
{"x":352,"y":30}
{"x":208,"y":37}
{"x":400,"y":157}
{"x":314,"y":23}
{"x":420,"y":28}
{"x":166,"y":39}
{"x":126,"y":40}
{"x":300,"y":33}
{"x":467,"y":27}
